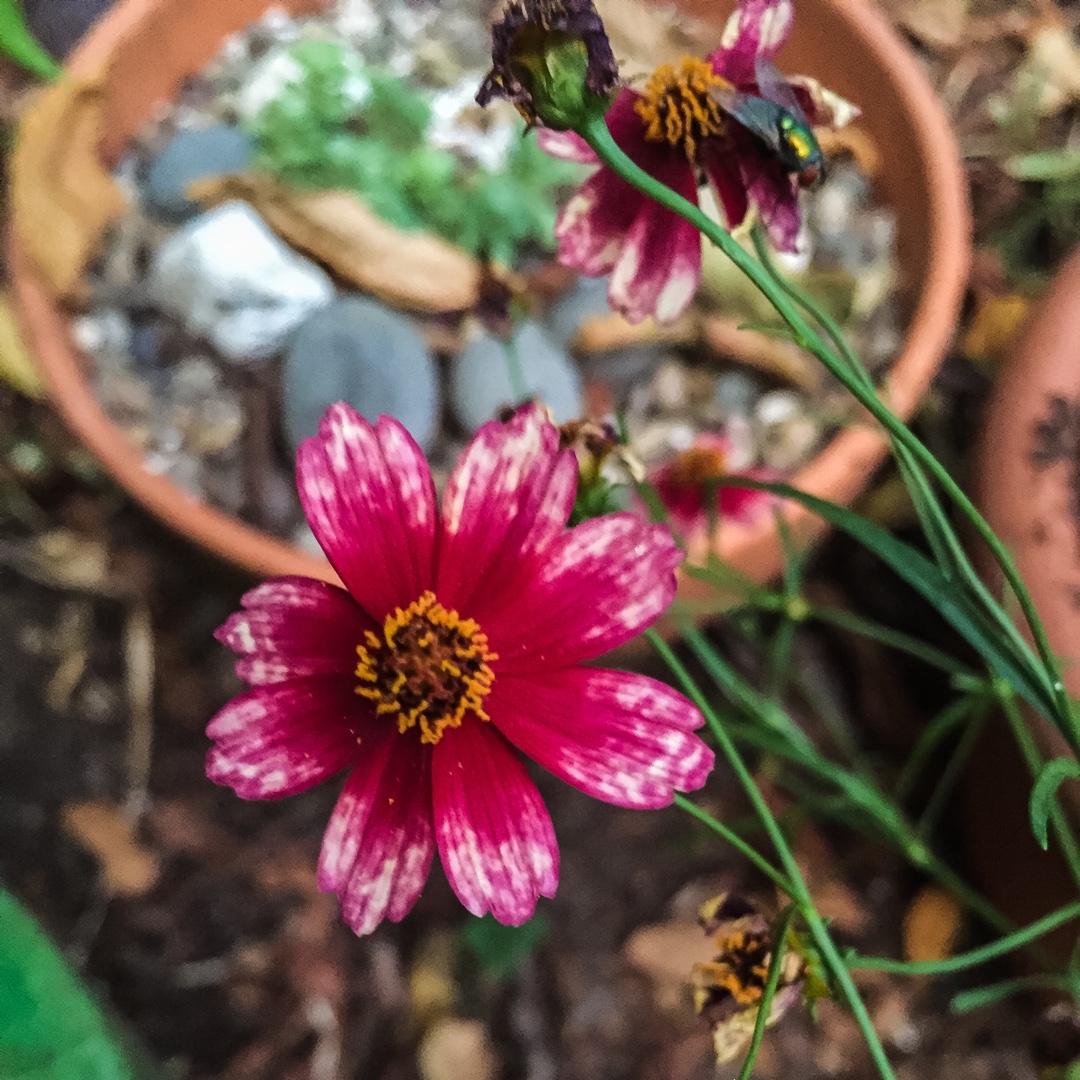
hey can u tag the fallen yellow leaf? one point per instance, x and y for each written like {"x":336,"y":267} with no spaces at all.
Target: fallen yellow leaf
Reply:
{"x":931,"y":925}
{"x":16,"y":367}
{"x":128,"y":867}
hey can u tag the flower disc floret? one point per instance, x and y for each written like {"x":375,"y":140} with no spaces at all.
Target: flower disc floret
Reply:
{"x":677,"y":106}
{"x":429,"y":668}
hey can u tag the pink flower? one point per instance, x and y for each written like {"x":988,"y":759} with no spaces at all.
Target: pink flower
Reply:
{"x":683,"y":484}
{"x":676,"y":131}
{"x":456,"y":643}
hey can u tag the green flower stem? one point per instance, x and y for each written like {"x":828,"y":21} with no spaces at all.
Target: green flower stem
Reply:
{"x":800,"y":893}
{"x":969,"y":1000}
{"x":1059,"y":821}
{"x":596,"y":134}
{"x":736,"y":841}
{"x":515,"y":371}
{"x":975,"y":956}
{"x":772,"y":981}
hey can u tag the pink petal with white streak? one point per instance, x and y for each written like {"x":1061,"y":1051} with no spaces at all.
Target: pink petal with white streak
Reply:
{"x":508,"y":498}
{"x":722,"y":168}
{"x":757,"y":28}
{"x":659,"y":268}
{"x":287,"y":737}
{"x":295,"y":626}
{"x":378,"y":847}
{"x":776,"y":194}
{"x":566,"y":146}
{"x":370,"y":501}
{"x":617,"y":736}
{"x":494,"y":834}
{"x":600,"y":584}
{"x":823,"y":108}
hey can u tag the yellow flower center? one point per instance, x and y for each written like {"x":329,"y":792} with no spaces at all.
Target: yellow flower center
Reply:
{"x":677,"y":107}
{"x":429,"y":668}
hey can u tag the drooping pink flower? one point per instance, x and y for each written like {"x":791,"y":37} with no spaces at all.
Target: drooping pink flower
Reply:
{"x":683,"y":485}
{"x":456,"y":643}
{"x":676,"y":130}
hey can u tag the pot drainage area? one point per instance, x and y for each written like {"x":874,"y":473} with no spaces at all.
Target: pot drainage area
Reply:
{"x":225,"y":317}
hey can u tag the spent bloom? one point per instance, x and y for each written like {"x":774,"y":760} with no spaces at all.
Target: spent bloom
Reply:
{"x":552,"y":59}
{"x":457,"y":643}
{"x":728,"y":989}
{"x":678,"y":130}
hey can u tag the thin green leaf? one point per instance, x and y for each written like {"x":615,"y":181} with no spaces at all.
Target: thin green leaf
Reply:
{"x":501,"y":950}
{"x":1053,"y":775}
{"x":1060,"y":164}
{"x":17,"y":43}
{"x":952,"y":600}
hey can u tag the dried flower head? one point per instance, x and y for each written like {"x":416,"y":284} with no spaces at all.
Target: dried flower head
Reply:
{"x":729,"y":989}
{"x":553,"y":60}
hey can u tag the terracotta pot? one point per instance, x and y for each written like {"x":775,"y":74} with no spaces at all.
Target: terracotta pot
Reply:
{"x":149,"y":46}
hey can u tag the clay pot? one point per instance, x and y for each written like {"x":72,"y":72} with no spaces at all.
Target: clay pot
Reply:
{"x":147,"y":47}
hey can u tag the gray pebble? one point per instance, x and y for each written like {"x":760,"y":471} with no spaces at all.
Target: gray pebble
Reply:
{"x":194,"y":154}
{"x":357,"y":351}
{"x":480,"y":382}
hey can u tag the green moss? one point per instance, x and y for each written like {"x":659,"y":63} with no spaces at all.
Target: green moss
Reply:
{"x":314,"y":135}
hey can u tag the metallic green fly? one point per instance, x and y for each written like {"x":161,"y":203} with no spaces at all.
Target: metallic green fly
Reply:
{"x":778,"y":120}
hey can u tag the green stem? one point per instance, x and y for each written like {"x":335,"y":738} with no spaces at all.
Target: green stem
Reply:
{"x":772,"y":981}
{"x":736,"y":841}
{"x":597,"y":135}
{"x":969,"y":1000}
{"x":801,"y":893}
{"x":975,"y":956}
{"x":513,"y":366}
{"x":1033,"y":759}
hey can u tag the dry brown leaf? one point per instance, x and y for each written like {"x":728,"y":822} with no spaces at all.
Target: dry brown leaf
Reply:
{"x":601,"y":333}
{"x":414,"y":270}
{"x":854,"y":140}
{"x":644,"y":35}
{"x":994,"y":327}
{"x":931,"y":925}
{"x":128,"y":867}
{"x":667,"y":953}
{"x":773,"y":356}
{"x":457,"y":1049}
{"x":63,"y":198}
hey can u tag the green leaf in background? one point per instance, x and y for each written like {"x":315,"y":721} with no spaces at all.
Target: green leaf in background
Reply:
{"x":50,"y":1027}
{"x":1058,"y":164}
{"x":501,"y":950}
{"x":17,"y":43}
{"x":1053,"y":775}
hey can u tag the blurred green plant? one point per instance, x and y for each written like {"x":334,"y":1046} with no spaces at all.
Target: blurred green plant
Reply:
{"x":501,"y":950}
{"x":50,"y":1026}
{"x":18,"y":44}
{"x":320,"y":132}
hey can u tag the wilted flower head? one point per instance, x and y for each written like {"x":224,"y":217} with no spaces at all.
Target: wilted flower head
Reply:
{"x":729,"y":989}
{"x":457,"y":642}
{"x":553,"y":60}
{"x":677,"y":129}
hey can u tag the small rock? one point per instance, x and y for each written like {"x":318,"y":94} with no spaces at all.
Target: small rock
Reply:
{"x":735,"y":393}
{"x":190,"y":155}
{"x":103,"y":333}
{"x":227,"y":277}
{"x":481,"y":384}
{"x":584,"y":300}
{"x":58,"y":26}
{"x":786,"y":432}
{"x":357,"y":351}
{"x":457,"y":1049}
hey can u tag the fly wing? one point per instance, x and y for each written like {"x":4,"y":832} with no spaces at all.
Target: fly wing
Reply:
{"x":776,"y":88}
{"x":754,"y":113}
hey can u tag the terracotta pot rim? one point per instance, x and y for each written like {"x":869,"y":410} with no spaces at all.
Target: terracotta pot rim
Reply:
{"x":837,"y":472}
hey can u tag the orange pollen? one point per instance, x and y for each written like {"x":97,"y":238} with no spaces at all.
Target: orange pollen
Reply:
{"x":697,"y":465}
{"x":677,"y":106}
{"x":429,"y":668}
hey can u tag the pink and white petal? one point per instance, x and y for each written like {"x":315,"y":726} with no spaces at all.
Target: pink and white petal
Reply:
{"x":380,"y":841}
{"x":370,"y":501}
{"x":494,"y":834}
{"x":659,"y":269}
{"x":747,"y":504}
{"x":508,"y":498}
{"x":294,"y":626}
{"x":823,"y":108}
{"x":620,"y":737}
{"x":601,"y":583}
{"x":284,"y":738}
{"x":722,"y":167}
{"x":755,"y":29}
{"x":775,"y":193}
{"x":566,"y":146}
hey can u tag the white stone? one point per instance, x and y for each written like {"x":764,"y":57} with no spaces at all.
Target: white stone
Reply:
{"x":228,"y":278}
